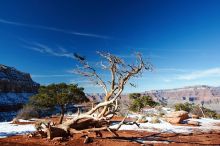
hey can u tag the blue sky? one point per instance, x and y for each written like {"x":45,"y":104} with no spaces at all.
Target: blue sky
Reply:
{"x":181,"y":37}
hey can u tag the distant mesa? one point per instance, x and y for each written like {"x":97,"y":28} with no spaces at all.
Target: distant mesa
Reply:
{"x":204,"y":95}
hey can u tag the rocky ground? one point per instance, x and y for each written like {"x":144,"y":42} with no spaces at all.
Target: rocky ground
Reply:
{"x":196,"y":136}
{"x":126,"y":138}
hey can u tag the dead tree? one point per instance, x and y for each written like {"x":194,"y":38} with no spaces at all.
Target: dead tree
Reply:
{"x":99,"y":116}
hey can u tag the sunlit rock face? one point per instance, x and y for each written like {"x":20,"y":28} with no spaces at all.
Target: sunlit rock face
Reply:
{"x":12,"y":80}
{"x":203,"y":95}
{"x":15,"y":89}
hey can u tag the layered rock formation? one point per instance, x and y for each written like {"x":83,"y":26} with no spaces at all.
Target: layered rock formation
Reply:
{"x":204,"y":95}
{"x":15,"y":89}
{"x":12,"y":80}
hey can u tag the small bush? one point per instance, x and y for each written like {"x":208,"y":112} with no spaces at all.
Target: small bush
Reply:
{"x":150,"y":114}
{"x":209,"y":113}
{"x":27,"y":112}
{"x":183,"y":106}
{"x":197,"y":110}
{"x":217,"y":116}
{"x":155,"y":120}
{"x":142,"y":119}
{"x":142,"y":102}
{"x":134,"y":95}
{"x":161,"y":114}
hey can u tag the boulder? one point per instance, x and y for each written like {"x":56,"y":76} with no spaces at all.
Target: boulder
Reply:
{"x":173,"y":120}
{"x":176,"y":117}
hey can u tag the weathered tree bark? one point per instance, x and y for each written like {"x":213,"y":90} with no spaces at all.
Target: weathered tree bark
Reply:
{"x":62,"y":108}
{"x":98,"y":117}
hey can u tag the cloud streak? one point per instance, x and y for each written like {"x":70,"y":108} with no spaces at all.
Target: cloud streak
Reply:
{"x":213,"y":72}
{"x":47,"y":50}
{"x":3,"y":21}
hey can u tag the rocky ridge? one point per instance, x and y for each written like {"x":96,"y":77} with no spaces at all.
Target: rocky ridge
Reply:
{"x":12,"y":80}
{"x":207,"y":95}
{"x":15,"y":89}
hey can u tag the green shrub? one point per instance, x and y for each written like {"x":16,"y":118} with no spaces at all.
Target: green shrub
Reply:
{"x":141,"y":102}
{"x":155,"y":120}
{"x":142,"y":119}
{"x":161,"y":114}
{"x":58,"y":95}
{"x":197,"y":110}
{"x":183,"y":106}
{"x":209,"y":113}
{"x":150,"y":114}
{"x":134,"y":95}
{"x":217,"y":116}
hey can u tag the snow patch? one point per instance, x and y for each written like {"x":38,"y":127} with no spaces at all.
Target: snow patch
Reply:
{"x":9,"y":129}
{"x":207,"y":125}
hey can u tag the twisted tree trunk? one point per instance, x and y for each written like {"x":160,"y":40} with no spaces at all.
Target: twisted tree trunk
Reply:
{"x":62,"y":108}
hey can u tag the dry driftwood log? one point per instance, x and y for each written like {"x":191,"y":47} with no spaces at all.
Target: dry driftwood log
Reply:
{"x":98,"y":117}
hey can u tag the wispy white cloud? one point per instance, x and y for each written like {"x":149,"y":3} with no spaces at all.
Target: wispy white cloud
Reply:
{"x":54,"y":29}
{"x":47,"y":50}
{"x":212,"y":72}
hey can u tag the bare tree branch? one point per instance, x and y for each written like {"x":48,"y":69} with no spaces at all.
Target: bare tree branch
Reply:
{"x":97,"y":118}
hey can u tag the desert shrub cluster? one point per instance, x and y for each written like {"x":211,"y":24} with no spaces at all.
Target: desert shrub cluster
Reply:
{"x":139,"y":102}
{"x":197,"y":110}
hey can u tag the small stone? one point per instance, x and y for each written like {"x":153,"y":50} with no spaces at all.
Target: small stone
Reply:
{"x":195,"y":123}
{"x":142,"y":121}
{"x":60,"y":139}
{"x":15,"y":121}
{"x":87,"y":140}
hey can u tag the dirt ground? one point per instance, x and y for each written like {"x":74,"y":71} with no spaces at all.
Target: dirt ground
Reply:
{"x":126,"y":138}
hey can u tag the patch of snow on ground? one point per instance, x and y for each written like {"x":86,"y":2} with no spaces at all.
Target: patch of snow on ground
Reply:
{"x":157,"y":127}
{"x":206,"y":121}
{"x":30,"y":120}
{"x":21,"y":120}
{"x":207,"y":124}
{"x":8,"y":129}
{"x":151,"y":141}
